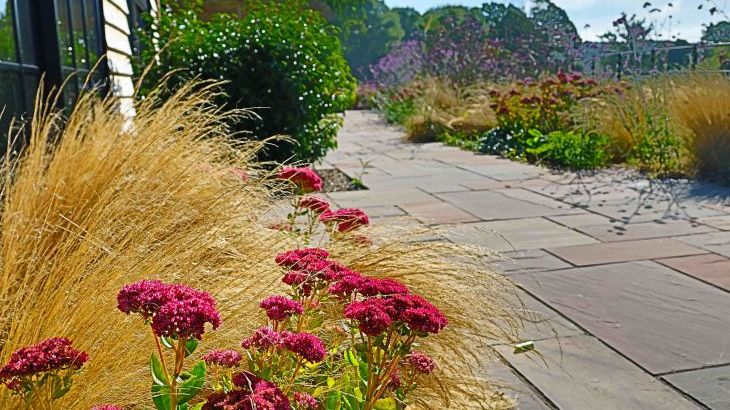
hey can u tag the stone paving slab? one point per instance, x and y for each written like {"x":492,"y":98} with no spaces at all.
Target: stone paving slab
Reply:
{"x":710,"y":386}
{"x":580,"y":373}
{"x":490,"y":205}
{"x":659,"y":318}
{"x":644,"y":230}
{"x":601,"y":253}
{"x":532,"y":260}
{"x":437,"y":212}
{"x":714,"y":269}
{"x":518,"y":234}
{"x":718,"y":242}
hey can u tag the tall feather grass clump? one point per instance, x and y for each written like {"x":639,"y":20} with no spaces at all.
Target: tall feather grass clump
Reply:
{"x":444,"y":107}
{"x":644,"y":131}
{"x":702,"y":104}
{"x":104,"y":201}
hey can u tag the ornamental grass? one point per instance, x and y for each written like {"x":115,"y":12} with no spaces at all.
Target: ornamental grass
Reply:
{"x":105,"y":201}
{"x":702,"y":105}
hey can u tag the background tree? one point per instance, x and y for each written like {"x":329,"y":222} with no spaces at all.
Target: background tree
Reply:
{"x":410,"y":20}
{"x":368,"y":29}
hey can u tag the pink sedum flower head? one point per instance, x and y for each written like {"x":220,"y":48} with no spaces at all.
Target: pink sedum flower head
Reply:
{"x":252,"y":393}
{"x":263,"y":338}
{"x":305,"y":345}
{"x":314,"y":204}
{"x":346,"y":219}
{"x":371,"y":314}
{"x":422,"y":362}
{"x":185,"y":313}
{"x":418,"y":313}
{"x":290,"y":259}
{"x":305,"y":401}
{"x":347,"y":284}
{"x":281,"y":308}
{"x":374,"y":287}
{"x":306,"y":180}
{"x":49,"y":355}
{"x":107,"y":407}
{"x":145,"y":297}
{"x":223,"y":357}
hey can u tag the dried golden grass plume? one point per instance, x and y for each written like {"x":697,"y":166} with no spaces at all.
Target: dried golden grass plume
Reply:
{"x":702,"y":104}
{"x":90,"y":207}
{"x":105,"y":200}
{"x":443,"y":105}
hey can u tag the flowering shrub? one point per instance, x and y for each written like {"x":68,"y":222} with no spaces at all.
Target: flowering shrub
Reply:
{"x":177,"y":315}
{"x":362,"y":357}
{"x":43,"y":372}
{"x":534,"y":120}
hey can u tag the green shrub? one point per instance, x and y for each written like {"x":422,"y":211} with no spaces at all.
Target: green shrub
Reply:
{"x":574,"y":150}
{"x":282,"y":60}
{"x":644,"y":132}
{"x":397,"y":107}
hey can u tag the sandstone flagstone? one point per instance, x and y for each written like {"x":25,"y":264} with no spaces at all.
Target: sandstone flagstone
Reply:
{"x":601,"y":253}
{"x":659,"y":318}
{"x":580,"y":373}
{"x":709,"y":386}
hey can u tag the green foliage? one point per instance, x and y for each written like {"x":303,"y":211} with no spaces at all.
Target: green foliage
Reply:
{"x":283,"y":60}
{"x":574,"y":150}
{"x":368,"y":29}
{"x":643,"y":128}
{"x":397,"y":108}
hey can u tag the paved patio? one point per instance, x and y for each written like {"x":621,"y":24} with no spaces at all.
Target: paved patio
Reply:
{"x":634,"y":275}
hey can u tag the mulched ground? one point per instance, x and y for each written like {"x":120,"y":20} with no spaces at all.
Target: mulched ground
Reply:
{"x":336,"y":180}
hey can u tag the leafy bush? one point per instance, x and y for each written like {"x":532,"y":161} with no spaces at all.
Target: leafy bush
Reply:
{"x":536,"y":122}
{"x":281,"y":60}
{"x":397,"y":106}
{"x":546,"y":105}
{"x":574,"y":150}
{"x":643,"y":130}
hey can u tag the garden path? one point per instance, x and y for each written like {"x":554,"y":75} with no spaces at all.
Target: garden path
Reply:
{"x":634,"y":275}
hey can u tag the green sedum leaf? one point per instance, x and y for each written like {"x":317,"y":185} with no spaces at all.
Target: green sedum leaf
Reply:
{"x":193,"y":382}
{"x":159,"y":376}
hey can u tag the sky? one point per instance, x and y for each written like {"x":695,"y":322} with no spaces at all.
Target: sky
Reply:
{"x":594,"y":17}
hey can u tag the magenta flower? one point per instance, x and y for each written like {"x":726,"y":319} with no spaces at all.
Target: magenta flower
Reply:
{"x":185,"y":313}
{"x":281,"y":308}
{"x":425,"y":320}
{"x":314,"y":204}
{"x":49,"y":355}
{"x":371,"y":314}
{"x":251,"y":393}
{"x":290,"y":259}
{"x":304,"y":178}
{"x":305,"y":345}
{"x":374,"y":287}
{"x":346,"y":219}
{"x":418,"y":313}
{"x":223,"y":358}
{"x":263,"y":338}
{"x":145,"y":297}
{"x":347,"y":284}
{"x":422,"y":362}
{"x":305,"y":401}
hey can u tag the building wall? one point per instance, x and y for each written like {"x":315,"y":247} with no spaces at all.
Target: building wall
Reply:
{"x":119,"y":50}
